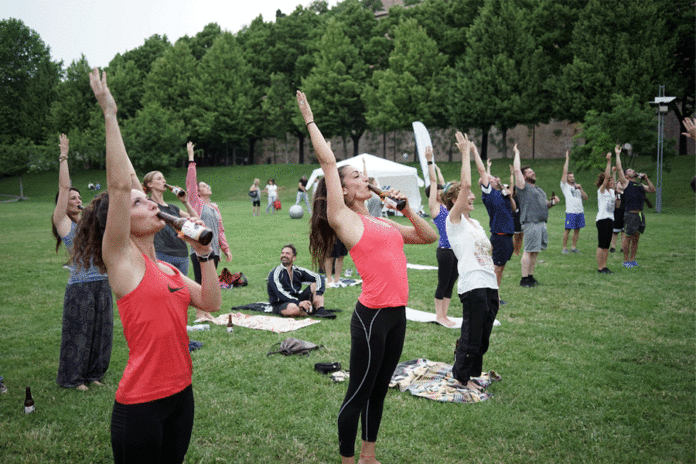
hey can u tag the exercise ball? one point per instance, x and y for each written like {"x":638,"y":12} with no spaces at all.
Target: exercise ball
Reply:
{"x":296,"y":211}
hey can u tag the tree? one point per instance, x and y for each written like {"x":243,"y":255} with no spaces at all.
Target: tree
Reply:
{"x":618,"y":47}
{"x":221,"y":96}
{"x":74,"y":100}
{"x":409,"y":89}
{"x":170,"y":82}
{"x":202,"y":41}
{"x":154,"y":138}
{"x":335,"y":85}
{"x":630,"y":120}
{"x":499,"y":80}
{"x":27,"y":81}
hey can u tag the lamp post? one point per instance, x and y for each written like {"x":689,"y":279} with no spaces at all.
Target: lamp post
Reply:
{"x":662,"y":103}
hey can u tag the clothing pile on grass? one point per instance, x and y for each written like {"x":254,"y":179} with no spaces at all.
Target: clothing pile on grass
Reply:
{"x":433,"y":380}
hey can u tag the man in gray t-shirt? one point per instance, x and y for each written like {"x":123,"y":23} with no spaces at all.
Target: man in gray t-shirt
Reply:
{"x":534,"y":212}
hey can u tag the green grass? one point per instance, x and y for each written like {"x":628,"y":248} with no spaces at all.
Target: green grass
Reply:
{"x":595,"y":368}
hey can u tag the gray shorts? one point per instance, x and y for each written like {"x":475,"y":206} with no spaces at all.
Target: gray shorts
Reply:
{"x":535,"y":236}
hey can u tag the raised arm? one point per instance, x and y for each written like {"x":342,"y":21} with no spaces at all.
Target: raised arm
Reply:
{"x":192,"y":183}
{"x":457,"y":210}
{"x":483,"y":174}
{"x":519,"y":178}
{"x":433,"y":204}
{"x":650,"y":188}
{"x":619,"y":168}
{"x":60,"y":216}
{"x":338,"y":214}
{"x":690,"y":126}
{"x":607,"y":174}
{"x":564,"y":176}
{"x":440,"y":178}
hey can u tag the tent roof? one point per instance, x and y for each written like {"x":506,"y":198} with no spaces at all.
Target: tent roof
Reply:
{"x":376,"y":167}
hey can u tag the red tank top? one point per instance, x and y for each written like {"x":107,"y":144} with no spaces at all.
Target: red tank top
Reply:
{"x":381,"y":262}
{"x":154,"y":324}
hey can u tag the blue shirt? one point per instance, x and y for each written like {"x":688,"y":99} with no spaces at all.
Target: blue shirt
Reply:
{"x":78,"y":274}
{"x":441,"y":223}
{"x":499,"y":211}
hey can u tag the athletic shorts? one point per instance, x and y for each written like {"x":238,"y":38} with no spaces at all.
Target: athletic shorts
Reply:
{"x":634,"y":222}
{"x":618,"y":221}
{"x":604,"y":232}
{"x":502,"y":248}
{"x":306,"y":295}
{"x":516,"y":221}
{"x":535,"y":236}
{"x":574,"y":221}
{"x":256,"y":203}
{"x":339,"y":249}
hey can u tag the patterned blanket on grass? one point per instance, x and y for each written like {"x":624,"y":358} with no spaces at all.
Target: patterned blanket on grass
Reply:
{"x":271,"y":323}
{"x":433,"y":380}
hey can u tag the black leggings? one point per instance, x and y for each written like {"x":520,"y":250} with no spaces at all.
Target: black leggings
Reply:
{"x":377,"y":337}
{"x":197,"y":266}
{"x":154,"y":432}
{"x":446,"y":273}
{"x":479,"y":309}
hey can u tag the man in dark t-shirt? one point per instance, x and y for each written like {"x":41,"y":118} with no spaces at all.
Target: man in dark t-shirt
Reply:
{"x":302,"y":193}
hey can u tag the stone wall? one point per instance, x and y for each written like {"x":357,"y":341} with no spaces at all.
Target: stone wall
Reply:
{"x":545,"y":141}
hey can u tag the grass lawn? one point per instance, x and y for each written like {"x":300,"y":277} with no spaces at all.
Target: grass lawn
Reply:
{"x":595,"y":368}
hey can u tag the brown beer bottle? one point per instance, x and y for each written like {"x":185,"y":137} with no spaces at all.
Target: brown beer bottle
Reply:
{"x":400,"y":204}
{"x":230,"y":325}
{"x":176,"y":190}
{"x":28,"y":402}
{"x":201,"y":234}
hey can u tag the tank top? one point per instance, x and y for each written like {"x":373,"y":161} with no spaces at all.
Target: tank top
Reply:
{"x":440,"y":222}
{"x":78,"y":274}
{"x":154,"y":324}
{"x":380,"y":260}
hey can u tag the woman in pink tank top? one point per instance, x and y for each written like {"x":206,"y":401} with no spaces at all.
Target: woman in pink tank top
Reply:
{"x":152,"y":417}
{"x":378,"y":324}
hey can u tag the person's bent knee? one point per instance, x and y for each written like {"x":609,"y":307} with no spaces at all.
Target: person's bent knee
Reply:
{"x":291,"y":310}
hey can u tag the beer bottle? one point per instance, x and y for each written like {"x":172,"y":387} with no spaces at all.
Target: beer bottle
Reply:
{"x":176,"y":190}
{"x":80,"y":207}
{"x":399,"y":204}
{"x":201,"y":234}
{"x":28,"y":402}
{"x":230,"y":325}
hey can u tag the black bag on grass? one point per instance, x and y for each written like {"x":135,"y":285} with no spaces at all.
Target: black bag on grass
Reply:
{"x":291,"y":346}
{"x":327,"y":368}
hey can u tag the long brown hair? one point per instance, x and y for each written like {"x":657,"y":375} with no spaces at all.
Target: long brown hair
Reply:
{"x":321,"y":236}
{"x":147,"y":178}
{"x":450,"y":194}
{"x":53,"y":226}
{"x":90,"y":232}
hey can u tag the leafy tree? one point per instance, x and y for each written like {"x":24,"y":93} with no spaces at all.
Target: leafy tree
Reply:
{"x":221,"y":97}
{"x":408,"y":90}
{"x":499,"y":81}
{"x":27,"y":79}
{"x":629,"y":120}
{"x":154,"y":138}
{"x":618,"y":47}
{"x":201,"y":42}
{"x":74,"y":100}
{"x":170,"y":82}
{"x":335,"y":85}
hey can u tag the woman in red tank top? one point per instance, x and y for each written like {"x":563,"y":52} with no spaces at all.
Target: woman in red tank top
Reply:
{"x":378,"y":323}
{"x":117,"y":233}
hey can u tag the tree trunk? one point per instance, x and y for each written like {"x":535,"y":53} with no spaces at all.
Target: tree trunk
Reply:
{"x":384,"y":146}
{"x":682,"y":129}
{"x":252,"y":145}
{"x":300,"y":138}
{"x":356,"y":142}
{"x":484,"y":141}
{"x":504,"y":132}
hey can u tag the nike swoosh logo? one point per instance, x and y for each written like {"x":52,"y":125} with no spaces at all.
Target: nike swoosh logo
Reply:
{"x":172,"y":290}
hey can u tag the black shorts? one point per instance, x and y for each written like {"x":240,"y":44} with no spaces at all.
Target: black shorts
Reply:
{"x":502,"y":248}
{"x":339,"y":250}
{"x":306,"y":295}
{"x":256,"y":203}
{"x":516,"y":221}
{"x":604,"y":233}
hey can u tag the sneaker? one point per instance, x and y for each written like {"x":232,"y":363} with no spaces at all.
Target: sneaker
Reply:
{"x":628,"y":264}
{"x":605,"y":271}
{"x":565,"y":251}
{"x":635,"y":263}
{"x":533,"y":281}
{"x":502,"y":302}
{"x":574,"y":250}
{"x":525,"y":282}
{"x":612,"y":250}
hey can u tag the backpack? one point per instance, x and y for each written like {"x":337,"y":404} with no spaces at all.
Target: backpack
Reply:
{"x":228,"y":280}
{"x":294,"y":346}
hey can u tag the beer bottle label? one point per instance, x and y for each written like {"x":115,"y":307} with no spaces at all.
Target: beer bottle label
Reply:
{"x":191,"y":230}
{"x":28,"y":409}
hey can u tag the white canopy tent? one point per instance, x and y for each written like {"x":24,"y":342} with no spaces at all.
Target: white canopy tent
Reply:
{"x":388,"y":173}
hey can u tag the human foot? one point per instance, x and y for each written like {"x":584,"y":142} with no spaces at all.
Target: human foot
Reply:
{"x":447,"y":322}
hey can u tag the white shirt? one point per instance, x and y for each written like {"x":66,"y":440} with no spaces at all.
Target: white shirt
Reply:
{"x":473,"y":249}
{"x":272,"y":190}
{"x":605,"y":204}
{"x":573,"y":198}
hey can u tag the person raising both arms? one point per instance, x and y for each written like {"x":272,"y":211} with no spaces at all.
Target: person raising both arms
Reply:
{"x":439,"y":203}
{"x":606,"y":203}
{"x":88,"y":321}
{"x":153,"y":412}
{"x":378,"y":324}
{"x":575,"y":212}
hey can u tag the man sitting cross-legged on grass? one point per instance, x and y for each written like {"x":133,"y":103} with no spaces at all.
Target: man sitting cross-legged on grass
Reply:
{"x":285,"y":283}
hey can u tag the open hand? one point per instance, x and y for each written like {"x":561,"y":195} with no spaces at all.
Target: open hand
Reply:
{"x":304,"y":107}
{"x":102,"y":93}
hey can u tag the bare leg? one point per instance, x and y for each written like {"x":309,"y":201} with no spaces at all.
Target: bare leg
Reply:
{"x":441,"y":307}
{"x":528,"y":262}
{"x":328,"y":268}
{"x":625,"y":245}
{"x":339,"y":268}
{"x":576,"y":235}
{"x":634,"y":246}
{"x":565,"y":238}
{"x":614,"y":236}
{"x":517,"y":240}
{"x":602,"y":258}
{"x":367,"y":453}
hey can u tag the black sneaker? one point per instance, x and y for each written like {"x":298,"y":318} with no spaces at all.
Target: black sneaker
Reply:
{"x":612,"y":250}
{"x":533,"y":281}
{"x":525,"y":282}
{"x":605,"y":271}
{"x":321,"y":312}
